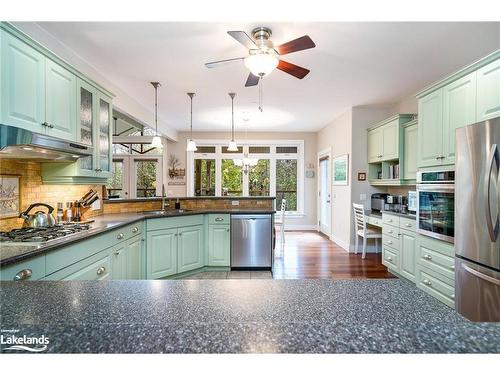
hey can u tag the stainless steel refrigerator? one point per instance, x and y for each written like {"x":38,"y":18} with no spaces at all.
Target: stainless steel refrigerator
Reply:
{"x":477,"y":200}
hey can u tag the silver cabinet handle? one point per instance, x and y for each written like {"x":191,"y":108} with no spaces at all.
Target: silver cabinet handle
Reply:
{"x":23,"y":275}
{"x":389,"y":242}
{"x":118,"y":252}
{"x":427,"y":257}
{"x":389,"y":220}
{"x":389,"y":231}
{"x":452,"y":267}
{"x":219,"y":219}
{"x":101,"y":270}
{"x":45,"y":123}
{"x":50,"y":126}
{"x":408,"y":225}
{"x":135,"y":230}
{"x":389,"y":259}
{"x":120,"y":236}
{"x":452,"y":296}
{"x":426,"y":282}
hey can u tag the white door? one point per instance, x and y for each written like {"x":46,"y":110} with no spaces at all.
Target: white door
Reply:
{"x":324,"y":196}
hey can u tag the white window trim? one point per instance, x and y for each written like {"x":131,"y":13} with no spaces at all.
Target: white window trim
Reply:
{"x":273,"y":156}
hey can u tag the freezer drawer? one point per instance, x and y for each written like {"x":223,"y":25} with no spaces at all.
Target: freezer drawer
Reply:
{"x":478,"y":292}
{"x":251,"y":241}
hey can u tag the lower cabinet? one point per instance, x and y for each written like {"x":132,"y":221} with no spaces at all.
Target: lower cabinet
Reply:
{"x":161,"y":253}
{"x":407,"y":252}
{"x":219,"y":243}
{"x":127,"y":260}
{"x":96,"y":267}
{"x":31,"y":269}
{"x":190,"y":248}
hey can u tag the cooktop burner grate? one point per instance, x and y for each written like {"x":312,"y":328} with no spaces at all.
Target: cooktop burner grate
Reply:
{"x":44,"y":234}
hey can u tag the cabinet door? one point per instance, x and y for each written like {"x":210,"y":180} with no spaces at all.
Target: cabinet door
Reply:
{"x":408,"y":249}
{"x":430,"y":129}
{"x":135,"y":259}
{"x":219,"y":245}
{"x":104,"y":136}
{"x":190,"y":254}
{"x":161,"y":253}
{"x":61,"y":112}
{"x":390,"y":140}
{"x":86,"y":101}
{"x":410,"y":152}
{"x":374,"y":145}
{"x":459,"y":109}
{"x":22,"y":102}
{"x":488,"y":91}
{"x":119,"y":262}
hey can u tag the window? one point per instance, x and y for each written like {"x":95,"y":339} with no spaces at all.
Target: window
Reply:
{"x":115,"y":185}
{"x":145,"y":178}
{"x":271,"y":168}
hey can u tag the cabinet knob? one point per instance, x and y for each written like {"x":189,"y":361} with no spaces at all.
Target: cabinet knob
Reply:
{"x":389,"y":242}
{"x":101,"y":270}
{"x":427,"y":257}
{"x":452,"y":267}
{"x":389,"y":259}
{"x":389,"y":220}
{"x":452,"y":296}
{"x":45,"y":123}
{"x":426,"y":282}
{"x":23,"y":275}
{"x":389,"y":231}
{"x":219,"y":219}
{"x":227,"y":230}
{"x":408,"y":225}
{"x":135,"y":230}
{"x":50,"y":126}
{"x":120,"y":236}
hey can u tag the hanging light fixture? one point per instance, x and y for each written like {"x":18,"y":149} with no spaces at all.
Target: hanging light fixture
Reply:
{"x":156,"y":142}
{"x":232,"y":144}
{"x":191,"y":144}
{"x":246,"y":162}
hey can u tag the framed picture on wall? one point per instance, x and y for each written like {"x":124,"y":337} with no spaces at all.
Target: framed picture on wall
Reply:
{"x":361,"y":176}
{"x":9,"y":196}
{"x":341,"y":170}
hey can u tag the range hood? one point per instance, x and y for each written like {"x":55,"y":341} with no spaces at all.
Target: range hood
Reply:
{"x":16,"y":143}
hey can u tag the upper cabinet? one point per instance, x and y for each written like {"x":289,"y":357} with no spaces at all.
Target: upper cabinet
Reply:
{"x":386,"y":150}
{"x":467,"y":97}
{"x":410,"y":150}
{"x":43,"y":94}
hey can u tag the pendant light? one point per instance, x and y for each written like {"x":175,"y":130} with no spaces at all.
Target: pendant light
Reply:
{"x":232,"y":144}
{"x":191,"y":144}
{"x":156,"y":142}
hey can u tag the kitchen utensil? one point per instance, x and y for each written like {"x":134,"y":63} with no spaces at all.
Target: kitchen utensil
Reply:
{"x":87,"y":195}
{"x":77,"y":217}
{"x":91,"y":200}
{"x":88,"y":201}
{"x":39,"y":218}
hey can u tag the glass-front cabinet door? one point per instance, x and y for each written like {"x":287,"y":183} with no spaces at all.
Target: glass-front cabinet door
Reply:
{"x":104,"y":137}
{"x":86,"y":126}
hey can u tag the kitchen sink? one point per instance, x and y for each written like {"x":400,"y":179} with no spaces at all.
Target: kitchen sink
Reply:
{"x":163,"y":212}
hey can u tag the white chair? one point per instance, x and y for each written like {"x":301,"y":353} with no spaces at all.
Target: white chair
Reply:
{"x":362,"y":230}
{"x":280,"y":223}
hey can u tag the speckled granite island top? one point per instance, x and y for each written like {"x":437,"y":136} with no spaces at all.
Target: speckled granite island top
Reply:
{"x":14,"y":253}
{"x":235,"y":316}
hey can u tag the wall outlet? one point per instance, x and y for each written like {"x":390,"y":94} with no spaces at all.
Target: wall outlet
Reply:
{"x":96,"y":205}
{"x":362,"y":197}
{"x":235,"y":203}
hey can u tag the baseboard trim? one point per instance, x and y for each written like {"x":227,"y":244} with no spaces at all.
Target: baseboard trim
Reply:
{"x":293,"y":227}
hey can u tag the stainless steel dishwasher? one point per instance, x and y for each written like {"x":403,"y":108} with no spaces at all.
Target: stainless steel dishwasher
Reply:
{"x":251,"y":241}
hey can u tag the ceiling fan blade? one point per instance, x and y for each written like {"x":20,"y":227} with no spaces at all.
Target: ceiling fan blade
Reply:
{"x":213,"y":64}
{"x":295,"y":45}
{"x":252,"y":80}
{"x":294,"y":70}
{"x":243,"y":38}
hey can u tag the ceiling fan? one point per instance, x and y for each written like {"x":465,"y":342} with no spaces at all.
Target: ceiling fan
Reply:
{"x":263,"y":57}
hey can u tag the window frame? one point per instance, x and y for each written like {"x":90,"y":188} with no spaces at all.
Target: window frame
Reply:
{"x":272,"y":156}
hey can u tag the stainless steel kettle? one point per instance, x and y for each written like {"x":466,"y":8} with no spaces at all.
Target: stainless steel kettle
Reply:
{"x":39,"y":218}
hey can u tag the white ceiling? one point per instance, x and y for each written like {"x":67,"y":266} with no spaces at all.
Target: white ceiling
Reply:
{"x":353,"y":64}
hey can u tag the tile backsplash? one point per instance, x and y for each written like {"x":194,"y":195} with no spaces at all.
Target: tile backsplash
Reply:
{"x":32,"y":190}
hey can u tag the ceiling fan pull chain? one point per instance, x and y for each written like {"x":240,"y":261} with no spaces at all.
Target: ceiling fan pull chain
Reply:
{"x":260,"y":93}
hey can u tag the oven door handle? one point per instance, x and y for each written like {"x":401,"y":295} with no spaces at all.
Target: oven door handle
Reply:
{"x":437,"y":188}
{"x":494,"y":158}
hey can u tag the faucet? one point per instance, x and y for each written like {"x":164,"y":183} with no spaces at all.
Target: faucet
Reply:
{"x":164,"y":204}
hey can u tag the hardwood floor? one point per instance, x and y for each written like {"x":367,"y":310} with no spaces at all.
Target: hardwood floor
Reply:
{"x":310,"y":255}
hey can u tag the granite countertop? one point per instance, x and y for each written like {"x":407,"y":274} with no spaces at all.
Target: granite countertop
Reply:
{"x":240,"y":316}
{"x":147,"y":199}
{"x":379,"y":215}
{"x":14,"y":253}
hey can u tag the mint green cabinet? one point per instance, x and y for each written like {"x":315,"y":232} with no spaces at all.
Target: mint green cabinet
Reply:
{"x":407,"y":251}
{"x":190,"y":248}
{"x":459,"y":109}
{"x":95,"y":267}
{"x":104,"y":135}
{"x":430,"y":129}
{"x":28,"y":270}
{"x":219,"y":242}
{"x":161,"y":253}
{"x":410,"y":135}
{"x":119,"y":261}
{"x":375,"y":145}
{"x":22,"y":102}
{"x":488,"y":91}
{"x":127,"y":259}
{"x":60,"y":85}
{"x":390,"y":140}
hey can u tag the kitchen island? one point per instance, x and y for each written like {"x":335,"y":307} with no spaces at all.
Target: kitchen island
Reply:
{"x":240,"y":316}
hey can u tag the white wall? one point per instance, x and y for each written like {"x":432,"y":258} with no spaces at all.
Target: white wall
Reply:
{"x":308,"y":220}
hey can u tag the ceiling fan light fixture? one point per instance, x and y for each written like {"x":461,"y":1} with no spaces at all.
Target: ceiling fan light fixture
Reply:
{"x":261,"y":63}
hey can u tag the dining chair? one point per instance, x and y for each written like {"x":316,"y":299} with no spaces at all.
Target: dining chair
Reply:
{"x":280,"y":223}
{"x":362,"y":230}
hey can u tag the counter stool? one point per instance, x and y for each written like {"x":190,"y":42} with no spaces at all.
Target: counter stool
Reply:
{"x":280,"y":223}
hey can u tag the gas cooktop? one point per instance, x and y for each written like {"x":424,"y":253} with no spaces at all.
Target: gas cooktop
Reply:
{"x":42,"y":235}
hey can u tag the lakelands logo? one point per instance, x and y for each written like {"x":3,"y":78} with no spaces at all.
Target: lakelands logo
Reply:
{"x":24,"y":343}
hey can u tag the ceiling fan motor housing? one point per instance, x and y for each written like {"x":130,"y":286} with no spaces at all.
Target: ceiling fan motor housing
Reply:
{"x":261,"y":36}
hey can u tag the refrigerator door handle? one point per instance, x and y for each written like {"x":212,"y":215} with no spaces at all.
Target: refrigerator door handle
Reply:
{"x":481,"y":275}
{"x":493,"y":231}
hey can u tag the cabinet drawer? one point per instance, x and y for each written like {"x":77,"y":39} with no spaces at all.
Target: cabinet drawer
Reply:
{"x":436,"y":285}
{"x":96,"y":267}
{"x":127,"y":232}
{"x":31,"y":269}
{"x":390,"y":258}
{"x":219,"y":219}
{"x":174,"y":222}
{"x":407,"y":224}
{"x":376,"y":221}
{"x":441,"y":247}
{"x":438,"y":262}
{"x":391,"y":231}
{"x":391,"y":242}
{"x":390,"y":219}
